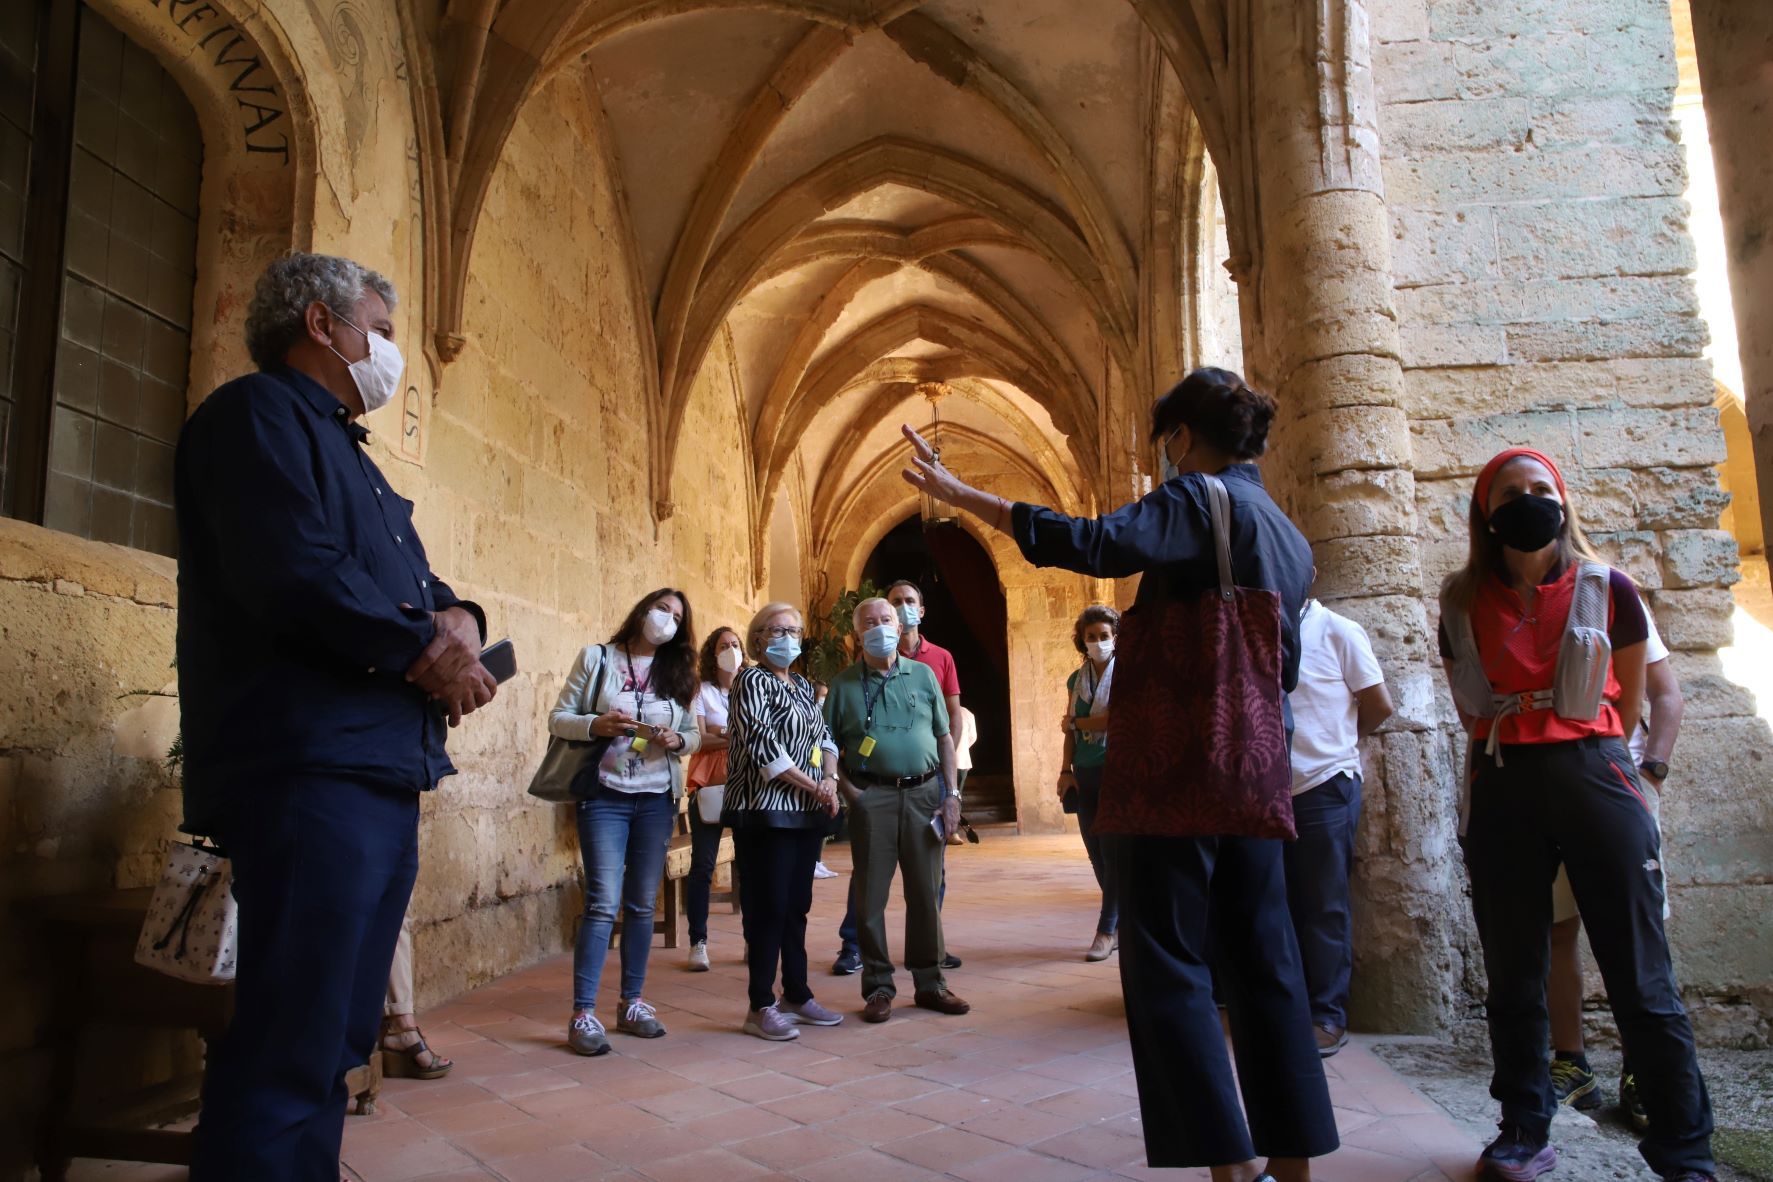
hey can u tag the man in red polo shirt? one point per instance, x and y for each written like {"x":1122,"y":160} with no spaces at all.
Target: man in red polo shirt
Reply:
{"x":907,"y":601}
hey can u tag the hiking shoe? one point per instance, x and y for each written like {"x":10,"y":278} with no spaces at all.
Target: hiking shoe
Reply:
{"x":942,"y":1001}
{"x":1330,"y":1039}
{"x":586,"y":1034}
{"x":848,"y":962}
{"x":1574,"y":1084}
{"x":640,"y":1020}
{"x":1633,"y":1103}
{"x":1515,"y":1156}
{"x":809,"y":1013}
{"x":698,"y":957}
{"x":1103,"y":946}
{"x":820,"y":870}
{"x":879,"y":1006}
{"x":771,"y":1023}
{"x":950,"y":961}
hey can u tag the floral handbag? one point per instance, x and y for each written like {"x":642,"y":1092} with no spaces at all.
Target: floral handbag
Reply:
{"x":192,"y":929}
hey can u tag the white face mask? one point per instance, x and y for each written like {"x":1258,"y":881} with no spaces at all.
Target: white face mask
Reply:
{"x":659,"y":626}
{"x":1100,"y":650}
{"x":729,"y":660}
{"x":378,"y":375}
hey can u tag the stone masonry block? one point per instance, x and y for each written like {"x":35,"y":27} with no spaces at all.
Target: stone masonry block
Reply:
{"x":1647,"y":438}
{"x":1627,"y":233}
{"x":1398,"y":20}
{"x":1353,"y":503}
{"x":1453,"y":344}
{"x":1593,"y":172}
{"x":1635,"y":552}
{"x":1679,"y":498}
{"x":1480,"y":19}
{"x":1590,"y":340}
{"x":1699,"y":558}
{"x":1696,"y":619}
{"x":1408,"y":71}
{"x":1349,"y":568}
{"x":1456,"y":125}
{"x":1527,"y":66}
{"x":1612,"y":118}
{"x":1435,"y":392}
{"x":1344,"y":438}
{"x":1706,"y":691}
{"x":1604,"y":498}
{"x":1432,"y":246}
{"x":1344,"y":380}
{"x":1459,"y":447}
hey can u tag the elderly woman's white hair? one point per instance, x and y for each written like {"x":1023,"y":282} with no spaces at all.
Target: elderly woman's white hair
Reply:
{"x":754,"y":642}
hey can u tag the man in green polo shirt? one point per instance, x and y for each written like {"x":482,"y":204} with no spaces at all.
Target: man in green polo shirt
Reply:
{"x":888,"y":719}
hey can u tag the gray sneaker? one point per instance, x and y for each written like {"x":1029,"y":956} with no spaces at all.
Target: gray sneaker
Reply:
{"x":586,"y":1035}
{"x":639,"y":1020}
{"x":698,"y":957}
{"x":809,"y":1013}
{"x":771,"y":1023}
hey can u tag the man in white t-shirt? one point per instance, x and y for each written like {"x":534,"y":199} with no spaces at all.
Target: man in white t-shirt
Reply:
{"x":1341,"y":698}
{"x":1573,"y":1082}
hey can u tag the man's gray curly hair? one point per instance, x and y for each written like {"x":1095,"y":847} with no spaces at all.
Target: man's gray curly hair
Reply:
{"x":275,"y":321}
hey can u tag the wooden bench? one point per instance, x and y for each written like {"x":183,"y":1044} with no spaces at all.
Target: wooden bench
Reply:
{"x":91,"y":948}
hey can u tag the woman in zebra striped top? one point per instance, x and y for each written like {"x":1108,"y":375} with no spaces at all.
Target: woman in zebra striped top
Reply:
{"x":781,"y":791}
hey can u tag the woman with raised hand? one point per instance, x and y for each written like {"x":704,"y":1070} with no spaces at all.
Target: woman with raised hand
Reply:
{"x":1209,"y":428}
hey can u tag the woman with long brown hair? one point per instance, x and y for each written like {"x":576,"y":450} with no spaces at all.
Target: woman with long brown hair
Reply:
{"x":634,"y":691}
{"x":723,"y":655}
{"x":1543,"y":645}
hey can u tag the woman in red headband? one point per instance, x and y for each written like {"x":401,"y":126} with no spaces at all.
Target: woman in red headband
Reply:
{"x":1526,"y":627}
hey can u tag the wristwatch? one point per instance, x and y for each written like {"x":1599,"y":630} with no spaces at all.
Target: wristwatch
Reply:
{"x":1656,"y":769}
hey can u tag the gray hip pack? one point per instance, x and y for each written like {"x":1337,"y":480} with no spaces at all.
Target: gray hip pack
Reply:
{"x":1579,"y":680}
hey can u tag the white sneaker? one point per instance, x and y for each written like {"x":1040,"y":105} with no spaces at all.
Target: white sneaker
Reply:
{"x":823,"y":871}
{"x":698,"y":957}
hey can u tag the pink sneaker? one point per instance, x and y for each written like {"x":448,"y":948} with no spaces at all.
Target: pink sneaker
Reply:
{"x":809,"y":1013}
{"x":772,"y":1024}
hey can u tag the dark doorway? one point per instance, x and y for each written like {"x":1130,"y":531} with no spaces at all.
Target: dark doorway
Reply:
{"x":968,"y":617}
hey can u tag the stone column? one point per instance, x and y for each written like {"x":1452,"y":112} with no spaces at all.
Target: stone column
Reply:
{"x":1325,"y":342}
{"x":1734,"y":43}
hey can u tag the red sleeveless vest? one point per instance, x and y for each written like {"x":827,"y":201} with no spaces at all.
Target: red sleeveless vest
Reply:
{"x":1520,"y":653}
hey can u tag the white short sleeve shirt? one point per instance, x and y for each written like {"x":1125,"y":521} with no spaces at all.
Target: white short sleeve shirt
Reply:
{"x":1335,"y":663}
{"x":1654,"y":650}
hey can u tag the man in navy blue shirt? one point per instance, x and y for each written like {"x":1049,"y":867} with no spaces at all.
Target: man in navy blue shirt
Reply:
{"x":319,"y":661}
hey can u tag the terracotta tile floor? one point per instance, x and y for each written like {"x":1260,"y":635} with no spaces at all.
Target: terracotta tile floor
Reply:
{"x":1035,"y":1085}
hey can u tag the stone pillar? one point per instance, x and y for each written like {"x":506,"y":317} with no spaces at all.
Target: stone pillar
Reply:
{"x":1734,"y":42}
{"x":1325,"y":343}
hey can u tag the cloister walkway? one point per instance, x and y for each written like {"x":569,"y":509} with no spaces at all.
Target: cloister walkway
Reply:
{"x":1035,"y":1085}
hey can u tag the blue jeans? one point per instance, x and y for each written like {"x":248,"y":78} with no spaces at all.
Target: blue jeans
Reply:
{"x":1318,"y":866}
{"x":699,"y":884}
{"x":323,"y":869}
{"x":622,"y":838}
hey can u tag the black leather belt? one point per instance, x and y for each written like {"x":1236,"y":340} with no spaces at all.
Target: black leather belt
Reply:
{"x":868,"y":781}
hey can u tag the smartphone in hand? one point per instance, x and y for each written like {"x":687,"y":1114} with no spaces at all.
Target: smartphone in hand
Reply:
{"x":500,"y":660}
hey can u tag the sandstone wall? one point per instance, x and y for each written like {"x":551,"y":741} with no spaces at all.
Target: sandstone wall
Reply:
{"x":1534,"y":184}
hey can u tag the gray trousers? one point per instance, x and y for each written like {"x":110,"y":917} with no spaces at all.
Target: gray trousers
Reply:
{"x":890,"y":831}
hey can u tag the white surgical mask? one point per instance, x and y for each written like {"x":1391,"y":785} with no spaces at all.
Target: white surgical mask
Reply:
{"x":1100,"y":650}
{"x":378,"y":375}
{"x":659,"y":626}
{"x":729,"y":660}
{"x":910,"y":614}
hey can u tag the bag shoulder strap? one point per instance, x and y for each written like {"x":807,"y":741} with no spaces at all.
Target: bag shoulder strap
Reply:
{"x":1219,"y":513}
{"x":597,"y":682}
{"x":1590,"y":599}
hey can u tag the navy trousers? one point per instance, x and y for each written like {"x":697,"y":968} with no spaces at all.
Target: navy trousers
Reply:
{"x":323,"y":871}
{"x":1318,"y":868}
{"x":699,"y":883}
{"x":1177,"y":895}
{"x":1579,"y":803}
{"x":1089,"y":799}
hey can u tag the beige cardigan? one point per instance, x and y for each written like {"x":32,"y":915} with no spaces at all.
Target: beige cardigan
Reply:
{"x":574,"y":712}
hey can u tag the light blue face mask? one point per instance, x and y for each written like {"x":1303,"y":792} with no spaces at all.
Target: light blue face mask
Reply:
{"x":1170,"y":471}
{"x":783,"y":651}
{"x":910,"y":614}
{"x":881,"y":640}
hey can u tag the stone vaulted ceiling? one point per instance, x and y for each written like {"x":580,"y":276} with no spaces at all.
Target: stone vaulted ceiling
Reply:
{"x":971,"y":199}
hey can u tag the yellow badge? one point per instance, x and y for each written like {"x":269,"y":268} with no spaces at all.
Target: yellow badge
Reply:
{"x":637,"y":744}
{"x":818,"y":757}
{"x":866,"y":747}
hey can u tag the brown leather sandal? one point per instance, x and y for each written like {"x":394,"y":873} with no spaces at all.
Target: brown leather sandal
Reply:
{"x":417,"y":1061}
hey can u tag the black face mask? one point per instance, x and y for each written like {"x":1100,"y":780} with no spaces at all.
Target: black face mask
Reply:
{"x":1528,"y":523}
